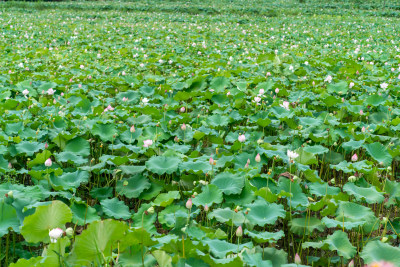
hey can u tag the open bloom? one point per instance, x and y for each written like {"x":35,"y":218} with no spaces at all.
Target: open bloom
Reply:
{"x":145,"y":101}
{"x":328,"y":79}
{"x":276,"y":90}
{"x":242,"y":138}
{"x":48,"y":162}
{"x":55,"y":234}
{"x":51,"y":91}
{"x":292,"y":155}
{"x":25,"y":92}
{"x":285,"y":105}
{"x":384,"y":85}
{"x":147,"y":143}
{"x":351,"y":85}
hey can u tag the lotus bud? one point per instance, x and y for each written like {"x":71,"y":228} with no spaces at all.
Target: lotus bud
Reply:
{"x":361,"y":112}
{"x":206,"y":208}
{"x":258,"y":158}
{"x":46,"y":146}
{"x":48,"y":162}
{"x":332,"y":181}
{"x":352,"y":179}
{"x":189,"y":204}
{"x":389,"y":169}
{"x":239,"y":231}
{"x":242,"y":138}
{"x":182,"y":109}
{"x":297,"y":259}
{"x":351,"y":263}
{"x":211,"y":161}
{"x":183,"y":127}
{"x":384,"y":239}
{"x":132,"y":130}
{"x":10,"y":194}
{"x":150,"y":210}
{"x":69,"y":232}
{"x":354,"y":157}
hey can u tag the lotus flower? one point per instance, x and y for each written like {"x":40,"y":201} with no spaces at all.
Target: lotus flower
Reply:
{"x":381,"y":264}
{"x":132,"y":130}
{"x":25,"y":92}
{"x":277,"y":90}
{"x":51,"y":91}
{"x":354,"y":157}
{"x":285,"y":105}
{"x":183,"y":127}
{"x":55,"y":234}
{"x":147,"y":143}
{"x":242,"y":138}
{"x":182,"y":109}
{"x":258,"y":158}
{"x":351,"y":85}
{"x":384,"y":85}
{"x":297,"y":259}
{"x":211,"y":161}
{"x":206,"y":208}
{"x":239,"y":231}
{"x":145,"y":101}
{"x":328,"y":79}
{"x":48,"y":162}
{"x":189,"y":204}
{"x":292,"y":155}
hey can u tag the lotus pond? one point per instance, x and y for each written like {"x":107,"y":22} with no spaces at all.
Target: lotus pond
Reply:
{"x":224,"y":135}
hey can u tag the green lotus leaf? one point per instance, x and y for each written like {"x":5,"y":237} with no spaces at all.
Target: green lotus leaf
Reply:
{"x":165,"y":199}
{"x":317,"y":149}
{"x":369,"y":194}
{"x":263,"y":237}
{"x":36,"y":227}
{"x":78,"y":146}
{"x":262,"y":212}
{"x":220,"y":248}
{"x":376,"y":251}
{"x":115,"y":208}
{"x":83,"y":214}
{"x":379,"y":153}
{"x":229,"y":183}
{"x":161,"y":164}
{"x":8,"y":219}
{"x":96,"y":241}
{"x":218,"y":120}
{"x":306,"y":225}
{"x":106,"y":132}
{"x":210,"y":194}
{"x":219,"y":83}
{"x":227,"y":216}
{"x":29,"y":148}
{"x":133,"y":187}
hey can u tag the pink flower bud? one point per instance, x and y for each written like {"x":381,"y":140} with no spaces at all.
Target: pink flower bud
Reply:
{"x":206,"y":208}
{"x":132,"y":130}
{"x":297,"y":259}
{"x":361,"y":112}
{"x":258,"y":158}
{"x":48,"y":162}
{"x":242,"y":138}
{"x":211,"y":161}
{"x":354,"y":157}
{"x":351,"y":263}
{"x":363,"y":129}
{"x":182,"y":109}
{"x":277,"y":90}
{"x":189,"y":204}
{"x":46,"y":146}
{"x":183,"y":127}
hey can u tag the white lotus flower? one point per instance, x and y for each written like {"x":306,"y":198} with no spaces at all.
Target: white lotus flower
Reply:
{"x":384,"y":85}
{"x":292,"y":155}
{"x":51,"y":91}
{"x":25,"y":92}
{"x":328,"y":79}
{"x":145,"y":100}
{"x":55,"y":234}
{"x":285,"y":105}
{"x":147,"y":143}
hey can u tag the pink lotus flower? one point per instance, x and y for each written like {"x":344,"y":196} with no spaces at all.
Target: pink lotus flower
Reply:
{"x":206,"y":208}
{"x":211,"y":161}
{"x":363,"y":129}
{"x":297,"y":259}
{"x":183,"y":127}
{"x":182,"y":109}
{"x":351,"y":85}
{"x":48,"y":162}
{"x":46,"y":146}
{"x":277,"y":90}
{"x":261,"y":92}
{"x":258,"y":158}
{"x":132,"y":130}
{"x":51,"y":91}
{"x":285,"y":105}
{"x":242,"y":138}
{"x":147,"y":143}
{"x":351,"y":263}
{"x":354,"y":157}
{"x":361,"y":112}
{"x":189,"y":204}
{"x":380,"y":264}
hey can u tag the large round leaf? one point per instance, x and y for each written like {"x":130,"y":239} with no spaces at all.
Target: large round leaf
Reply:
{"x":376,"y":251}
{"x":96,"y":241}
{"x":262,"y":212}
{"x":133,"y":187}
{"x":210,"y":195}
{"x":36,"y":227}
{"x":229,"y":183}
{"x":379,"y":153}
{"x":115,"y":208}
{"x":162,"y":164}
{"x":78,"y":146}
{"x":8,"y":218}
{"x":369,"y":194}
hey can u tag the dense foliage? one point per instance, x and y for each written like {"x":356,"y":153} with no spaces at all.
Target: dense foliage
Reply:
{"x":243,"y":136}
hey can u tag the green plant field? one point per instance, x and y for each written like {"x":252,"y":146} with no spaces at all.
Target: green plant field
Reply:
{"x":203,"y":133}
